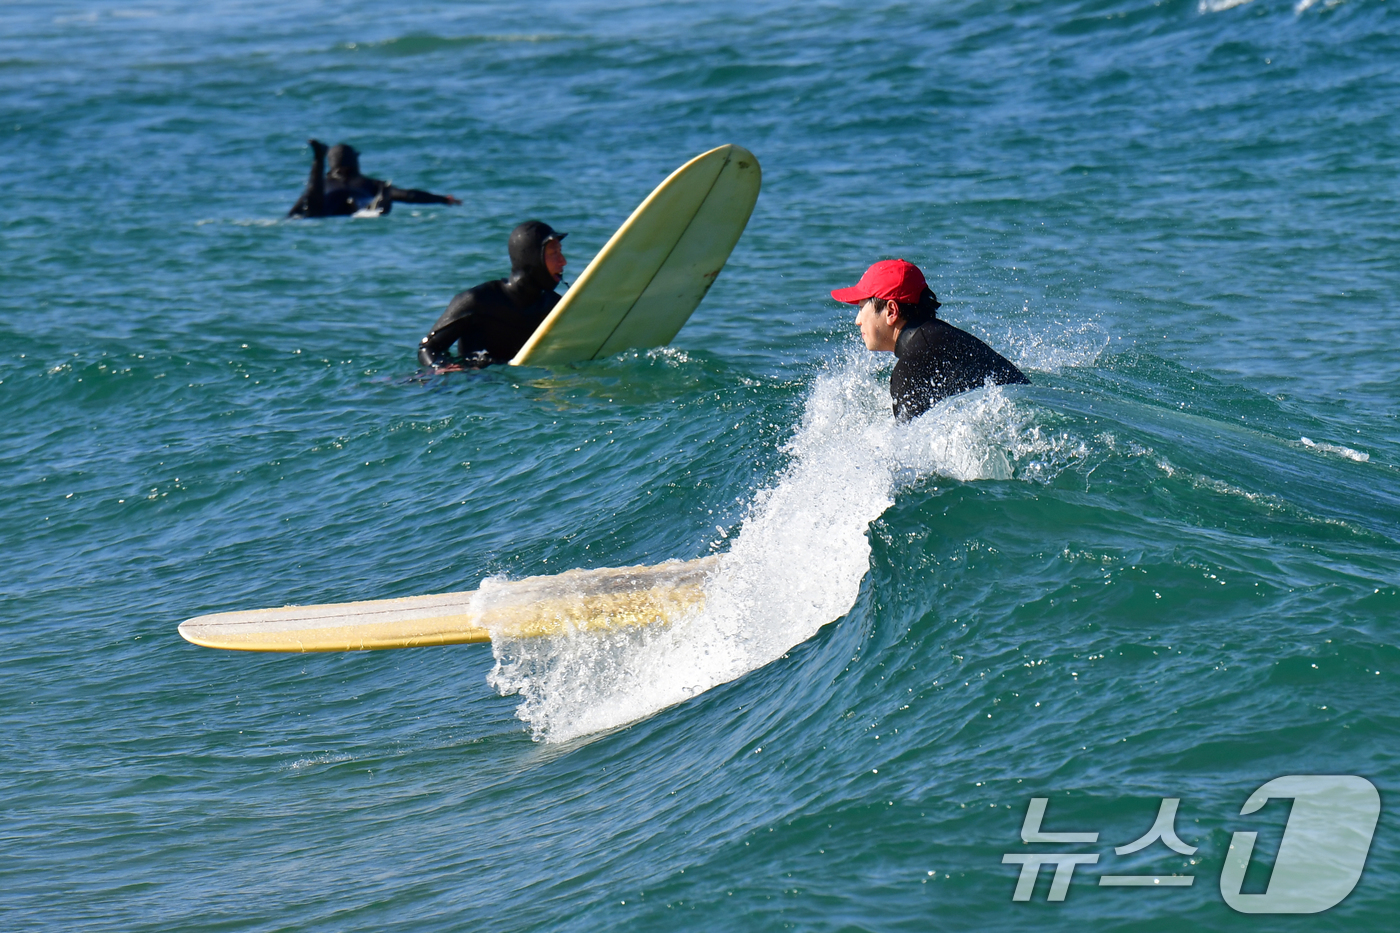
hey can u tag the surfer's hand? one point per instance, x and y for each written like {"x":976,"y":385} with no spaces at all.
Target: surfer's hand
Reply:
{"x":318,"y":147}
{"x":451,"y":199}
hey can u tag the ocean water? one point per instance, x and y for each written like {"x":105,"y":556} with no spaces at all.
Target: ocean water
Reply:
{"x":1168,"y":569}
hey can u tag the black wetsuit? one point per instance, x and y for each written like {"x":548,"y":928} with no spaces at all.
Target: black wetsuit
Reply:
{"x":937,"y":360}
{"x":343,"y":190}
{"x":491,"y":322}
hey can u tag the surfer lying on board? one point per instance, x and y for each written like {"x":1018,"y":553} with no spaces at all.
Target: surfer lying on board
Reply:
{"x":343,"y":190}
{"x":491,"y":322}
{"x":936,"y":359}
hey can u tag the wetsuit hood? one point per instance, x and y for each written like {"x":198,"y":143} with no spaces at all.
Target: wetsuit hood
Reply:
{"x":343,"y":161}
{"x":529,"y":276}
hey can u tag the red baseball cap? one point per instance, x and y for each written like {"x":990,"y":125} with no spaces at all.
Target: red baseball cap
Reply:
{"x":888,"y":278}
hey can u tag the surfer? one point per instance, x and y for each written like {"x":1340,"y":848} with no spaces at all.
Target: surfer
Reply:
{"x":491,"y":322}
{"x":936,"y":359}
{"x":343,"y":190}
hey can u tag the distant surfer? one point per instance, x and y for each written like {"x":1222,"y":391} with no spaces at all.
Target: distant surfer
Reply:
{"x":342,"y":190}
{"x":936,"y":360}
{"x":491,"y":322}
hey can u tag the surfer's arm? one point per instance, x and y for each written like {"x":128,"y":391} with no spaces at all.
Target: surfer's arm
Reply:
{"x":456,"y":323}
{"x":433,"y":350}
{"x":312,"y":202}
{"x":414,"y":196}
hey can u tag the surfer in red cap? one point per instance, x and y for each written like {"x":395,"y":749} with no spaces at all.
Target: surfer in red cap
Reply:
{"x":898,"y":313}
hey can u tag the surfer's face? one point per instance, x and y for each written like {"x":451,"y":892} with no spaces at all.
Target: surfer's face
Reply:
{"x":554,"y":261}
{"x":879,"y":328}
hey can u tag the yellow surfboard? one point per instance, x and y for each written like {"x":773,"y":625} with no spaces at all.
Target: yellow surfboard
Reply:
{"x":577,"y":600}
{"x":645,"y":282}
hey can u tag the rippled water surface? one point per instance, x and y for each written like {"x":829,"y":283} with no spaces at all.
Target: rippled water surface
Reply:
{"x":1170,"y":568}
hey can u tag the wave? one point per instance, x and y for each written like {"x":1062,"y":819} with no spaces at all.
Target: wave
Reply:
{"x":424,"y":44}
{"x":1299,"y":7}
{"x":795,"y":565}
{"x":802,"y":551}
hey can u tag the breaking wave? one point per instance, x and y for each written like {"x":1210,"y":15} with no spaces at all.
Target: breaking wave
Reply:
{"x":795,"y":565}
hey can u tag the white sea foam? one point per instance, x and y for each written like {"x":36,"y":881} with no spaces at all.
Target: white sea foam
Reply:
{"x":1217,"y":6}
{"x":325,"y":759}
{"x":982,"y":435}
{"x":1302,"y":6}
{"x":795,"y":565}
{"x":671,"y":355}
{"x":1337,"y":449}
{"x":1070,"y":344}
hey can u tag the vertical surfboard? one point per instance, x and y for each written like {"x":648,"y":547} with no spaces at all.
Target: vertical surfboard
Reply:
{"x":651,"y":275}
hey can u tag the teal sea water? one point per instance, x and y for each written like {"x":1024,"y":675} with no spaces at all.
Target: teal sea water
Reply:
{"x":1168,"y":569}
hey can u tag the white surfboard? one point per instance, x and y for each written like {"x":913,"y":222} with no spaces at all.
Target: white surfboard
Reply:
{"x":577,"y":600}
{"x":645,"y":282}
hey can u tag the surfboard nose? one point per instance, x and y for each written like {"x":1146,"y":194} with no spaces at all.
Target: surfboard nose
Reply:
{"x":652,"y":274}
